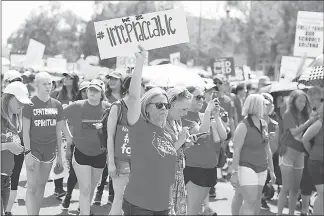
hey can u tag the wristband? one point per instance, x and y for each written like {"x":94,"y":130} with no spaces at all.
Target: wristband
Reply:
{"x":27,"y":152}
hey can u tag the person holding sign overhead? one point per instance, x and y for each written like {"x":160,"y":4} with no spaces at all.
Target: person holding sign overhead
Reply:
{"x":153,"y":154}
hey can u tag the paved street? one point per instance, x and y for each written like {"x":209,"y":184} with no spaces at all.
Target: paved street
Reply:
{"x":52,"y":206}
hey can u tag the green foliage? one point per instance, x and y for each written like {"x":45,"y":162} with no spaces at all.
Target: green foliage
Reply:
{"x":58,"y":30}
{"x":264,"y":31}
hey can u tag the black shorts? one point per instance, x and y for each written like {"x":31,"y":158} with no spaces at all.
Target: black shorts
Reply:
{"x":98,"y":161}
{"x":306,"y":184}
{"x":316,"y":170}
{"x":204,"y":177}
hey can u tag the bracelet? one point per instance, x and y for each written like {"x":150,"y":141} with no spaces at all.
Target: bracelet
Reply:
{"x":27,"y":151}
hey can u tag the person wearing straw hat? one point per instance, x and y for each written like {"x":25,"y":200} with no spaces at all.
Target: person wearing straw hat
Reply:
{"x":14,"y":97}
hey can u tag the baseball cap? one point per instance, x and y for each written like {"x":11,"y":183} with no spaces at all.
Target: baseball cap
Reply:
{"x":83,"y":85}
{"x":210,"y":86}
{"x":20,"y":91}
{"x":219,"y":77}
{"x":97,"y":84}
{"x":70,"y":74}
{"x":115,"y":74}
{"x":11,"y":75}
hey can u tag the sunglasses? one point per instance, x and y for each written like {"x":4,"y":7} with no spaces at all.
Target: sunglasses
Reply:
{"x":160,"y":105}
{"x":199,"y":97}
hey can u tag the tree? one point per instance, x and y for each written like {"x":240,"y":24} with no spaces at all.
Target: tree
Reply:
{"x":58,"y":30}
{"x":270,"y":29}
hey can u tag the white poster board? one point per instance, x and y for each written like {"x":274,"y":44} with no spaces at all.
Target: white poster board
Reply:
{"x":128,"y":61}
{"x":309,"y":34}
{"x":121,"y":36}
{"x":57,"y":63}
{"x":175,"y":58}
{"x":289,"y":67}
{"x":35,"y":52}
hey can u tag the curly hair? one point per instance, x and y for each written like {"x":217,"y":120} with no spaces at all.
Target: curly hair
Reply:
{"x":291,"y":106}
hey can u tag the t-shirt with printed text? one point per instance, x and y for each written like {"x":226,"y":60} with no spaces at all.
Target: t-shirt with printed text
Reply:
{"x":43,"y":118}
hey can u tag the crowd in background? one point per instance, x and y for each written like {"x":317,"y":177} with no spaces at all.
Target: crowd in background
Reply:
{"x":271,"y":139}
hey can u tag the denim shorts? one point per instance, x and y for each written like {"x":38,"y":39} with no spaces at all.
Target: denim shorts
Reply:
{"x":130,"y":209}
{"x":292,"y":158}
{"x":5,"y":192}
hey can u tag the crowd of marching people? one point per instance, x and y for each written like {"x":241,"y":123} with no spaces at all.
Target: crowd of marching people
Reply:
{"x":161,"y":150}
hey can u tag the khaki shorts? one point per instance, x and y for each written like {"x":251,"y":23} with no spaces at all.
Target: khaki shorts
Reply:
{"x":292,"y":158}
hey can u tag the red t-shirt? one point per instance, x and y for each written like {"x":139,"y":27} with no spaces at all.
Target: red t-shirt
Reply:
{"x":153,"y":167}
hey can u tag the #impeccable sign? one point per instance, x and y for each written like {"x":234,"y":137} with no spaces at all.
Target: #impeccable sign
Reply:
{"x":120,"y":37}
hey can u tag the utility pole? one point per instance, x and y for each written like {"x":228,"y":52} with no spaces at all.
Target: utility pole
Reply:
{"x":199,"y":32}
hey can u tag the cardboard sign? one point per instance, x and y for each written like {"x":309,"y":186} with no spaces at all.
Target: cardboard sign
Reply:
{"x":91,"y":72}
{"x":57,"y":63}
{"x":309,"y":34}
{"x":120,"y":37}
{"x":239,"y":75}
{"x":175,"y":58}
{"x":223,"y":66}
{"x":289,"y":67}
{"x":35,"y":52}
{"x":128,"y":62}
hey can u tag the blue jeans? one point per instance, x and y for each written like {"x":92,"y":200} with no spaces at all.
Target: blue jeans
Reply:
{"x":5,"y":192}
{"x":130,"y":209}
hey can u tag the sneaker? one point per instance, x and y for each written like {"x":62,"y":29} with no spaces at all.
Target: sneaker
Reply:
{"x":208,"y":211}
{"x":110,"y":199}
{"x":8,"y":214}
{"x":91,"y":213}
{"x":97,"y":199}
{"x":212,"y":192}
{"x":59,"y":192}
{"x":66,"y":201}
{"x":264,"y":205}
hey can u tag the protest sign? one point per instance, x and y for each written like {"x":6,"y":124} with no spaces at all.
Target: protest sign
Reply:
{"x":35,"y":52}
{"x":239,"y":75}
{"x":309,"y":34}
{"x":128,"y":62}
{"x":175,"y":58}
{"x":91,"y":72}
{"x":57,"y":63}
{"x":121,"y":37}
{"x":223,"y":66}
{"x":289,"y":67}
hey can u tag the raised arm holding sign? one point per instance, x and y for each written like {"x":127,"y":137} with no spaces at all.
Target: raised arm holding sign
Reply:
{"x":120,"y":37}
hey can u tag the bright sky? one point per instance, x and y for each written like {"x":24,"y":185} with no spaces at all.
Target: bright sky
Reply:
{"x":13,"y":16}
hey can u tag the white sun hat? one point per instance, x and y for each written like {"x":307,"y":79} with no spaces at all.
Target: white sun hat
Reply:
{"x":20,"y":91}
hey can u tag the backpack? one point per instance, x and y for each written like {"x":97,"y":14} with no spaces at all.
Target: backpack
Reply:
{"x":102,"y":132}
